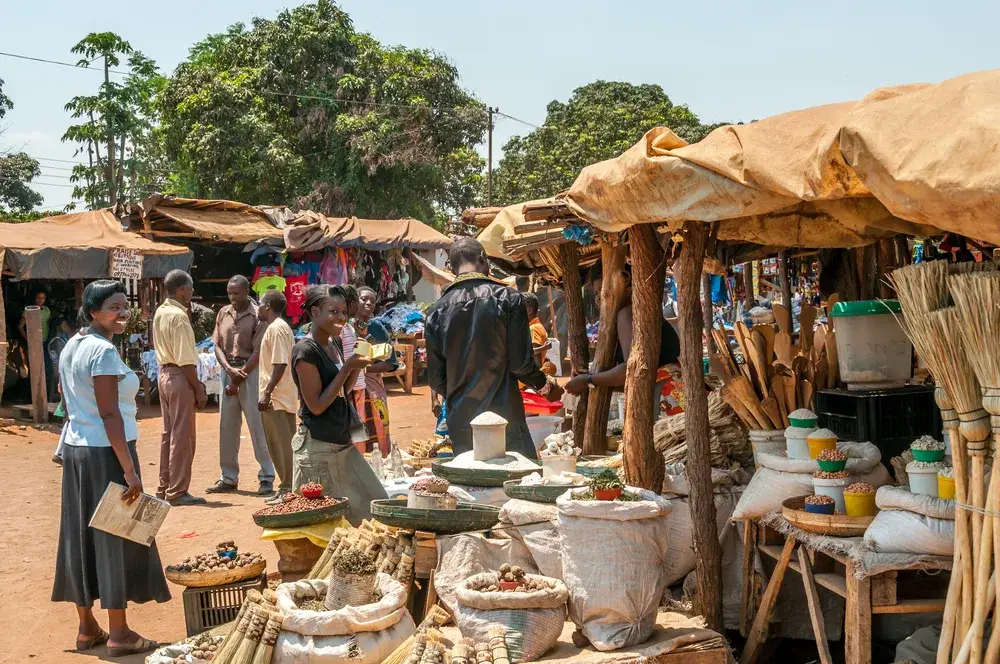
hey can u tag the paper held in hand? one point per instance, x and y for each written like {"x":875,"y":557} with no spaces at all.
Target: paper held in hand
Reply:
{"x":374,"y":352}
{"x":138,"y":522}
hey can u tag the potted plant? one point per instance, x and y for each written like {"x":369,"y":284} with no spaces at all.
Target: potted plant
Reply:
{"x":607,"y":486}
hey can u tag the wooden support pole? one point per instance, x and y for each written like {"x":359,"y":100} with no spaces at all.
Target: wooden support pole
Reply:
{"x":3,"y":330}
{"x":36,"y":365}
{"x":612,"y":297}
{"x":576,"y":329}
{"x":706,"y":310}
{"x":699,"y":464}
{"x":748,"y":301}
{"x":644,"y":466}
{"x":786,"y":281}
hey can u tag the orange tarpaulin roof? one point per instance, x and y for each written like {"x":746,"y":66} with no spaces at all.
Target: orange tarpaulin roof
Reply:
{"x":222,"y":221}
{"x":310,"y":231}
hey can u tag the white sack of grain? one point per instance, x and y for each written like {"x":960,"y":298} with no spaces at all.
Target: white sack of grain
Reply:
{"x":780,"y":478}
{"x":681,"y":558}
{"x":614,"y":603}
{"x":461,"y":556}
{"x":911,"y":523}
{"x":361,"y":648}
{"x":534,"y":620}
{"x":535,"y":527}
{"x":373,"y":617}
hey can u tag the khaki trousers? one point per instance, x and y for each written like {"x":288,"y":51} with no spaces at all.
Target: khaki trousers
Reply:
{"x":279,"y":428}
{"x":177,"y":442}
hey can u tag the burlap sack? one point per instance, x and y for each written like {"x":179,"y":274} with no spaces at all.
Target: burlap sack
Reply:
{"x":533,"y":620}
{"x":614,"y":564}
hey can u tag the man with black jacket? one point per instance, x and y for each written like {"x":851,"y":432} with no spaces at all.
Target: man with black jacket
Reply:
{"x":479,"y":347}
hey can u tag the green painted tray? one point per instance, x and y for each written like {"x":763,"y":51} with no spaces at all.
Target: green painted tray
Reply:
{"x":477,"y":477}
{"x":465,"y":518}
{"x":589,"y":471}
{"x":306,"y":518}
{"x":536,"y":494}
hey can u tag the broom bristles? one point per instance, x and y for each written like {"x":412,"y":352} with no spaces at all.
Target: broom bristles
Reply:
{"x":921,"y":288}
{"x":977,"y":299}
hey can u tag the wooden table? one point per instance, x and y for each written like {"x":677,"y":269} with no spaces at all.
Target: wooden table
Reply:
{"x":871,"y":595}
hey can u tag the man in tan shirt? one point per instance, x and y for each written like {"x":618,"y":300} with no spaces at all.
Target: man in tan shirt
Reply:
{"x":180,"y":390}
{"x":237,"y":337}
{"x":278,"y":396}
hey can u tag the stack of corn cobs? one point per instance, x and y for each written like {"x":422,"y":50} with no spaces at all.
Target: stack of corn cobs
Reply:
{"x":952,"y":315}
{"x":393,"y":549}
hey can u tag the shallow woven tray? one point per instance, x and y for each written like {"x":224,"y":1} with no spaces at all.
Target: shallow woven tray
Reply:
{"x":836,"y":525}
{"x":478,"y":477}
{"x":304,"y":518}
{"x":590,"y":471}
{"x":216,"y":577}
{"x":537,"y":494}
{"x":465,"y":518}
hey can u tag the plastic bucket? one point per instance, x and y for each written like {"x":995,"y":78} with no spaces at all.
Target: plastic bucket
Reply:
{"x":489,"y":441}
{"x":873,"y":352}
{"x":766,"y":441}
{"x":928,"y":455}
{"x":833,"y":488}
{"x":860,"y":504}
{"x":923,"y":481}
{"x":553,"y":465}
{"x":817,"y":445}
{"x":543,"y":426}
{"x":946,"y":487}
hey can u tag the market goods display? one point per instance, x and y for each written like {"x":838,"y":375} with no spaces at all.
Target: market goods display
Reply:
{"x":922,"y":476}
{"x":300,"y":510}
{"x":466,"y":517}
{"x":911,"y":523}
{"x":489,"y":436}
{"x":222,"y":566}
{"x":559,"y":444}
{"x":832,"y":460}
{"x":356,"y":634}
{"x":536,"y":488}
{"x":423,"y":452}
{"x":253,"y":633}
{"x":466,"y":470}
{"x":860,"y":499}
{"x":431,"y":493}
{"x":926,"y":448}
{"x":833,"y":525}
{"x":428,"y":627}
{"x":946,"y":483}
{"x":614,"y":604}
{"x":393,"y":549}
{"x":532,"y":610}
{"x":819,"y":504}
{"x":820,"y":440}
{"x":195,"y":650}
{"x":352,"y":581}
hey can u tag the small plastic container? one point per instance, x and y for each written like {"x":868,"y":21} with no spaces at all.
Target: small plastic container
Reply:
{"x":608,"y":494}
{"x":825,"y":508}
{"x":873,"y":352}
{"x":553,"y":465}
{"x":928,"y":455}
{"x":860,"y":504}
{"x":803,"y":418}
{"x":831,"y":466}
{"x":763,"y":440}
{"x":923,"y":479}
{"x":833,"y":488}
{"x":819,"y":440}
{"x":797,"y":442}
{"x":946,"y":487}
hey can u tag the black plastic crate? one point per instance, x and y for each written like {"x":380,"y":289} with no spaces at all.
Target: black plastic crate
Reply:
{"x":891,"y":419}
{"x":205,"y":608}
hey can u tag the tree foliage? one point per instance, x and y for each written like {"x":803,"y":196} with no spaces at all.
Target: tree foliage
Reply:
{"x":302,"y":109}
{"x":16,"y":170}
{"x":600,"y":121}
{"x":116,"y":125}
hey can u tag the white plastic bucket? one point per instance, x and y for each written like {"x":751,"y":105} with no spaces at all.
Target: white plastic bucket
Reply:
{"x":553,"y":465}
{"x":833,"y":488}
{"x":873,"y":351}
{"x":766,"y":440}
{"x":923,"y":480}
{"x":542,"y":426}
{"x":797,"y":442}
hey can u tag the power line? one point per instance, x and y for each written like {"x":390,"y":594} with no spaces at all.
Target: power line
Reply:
{"x":511,"y":117}
{"x":47,"y":184}
{"x":63,"y":64}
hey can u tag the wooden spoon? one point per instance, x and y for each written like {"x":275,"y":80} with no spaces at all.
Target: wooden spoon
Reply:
{"x":760,"y":363}
{"x":770,"y":406}
{"x":833,"y":369}
{"x":783,"y":347}
{"x":806,"y":389}
{"x":782,"y":317}
{"x":790,"y":390}
{"x":807,"y":320}
{"x":778,"y":392}
{"x":768,"y":332}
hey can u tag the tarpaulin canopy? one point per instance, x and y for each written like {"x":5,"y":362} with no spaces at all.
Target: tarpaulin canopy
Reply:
{"x":77,"y":246}
{"x":221,"y":221}
{"x":311,"y":231}
{"x":917,"y":159}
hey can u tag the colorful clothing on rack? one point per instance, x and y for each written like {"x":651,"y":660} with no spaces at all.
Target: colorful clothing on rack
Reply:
{"x":295,"y":295}
{"x":264,"y":284}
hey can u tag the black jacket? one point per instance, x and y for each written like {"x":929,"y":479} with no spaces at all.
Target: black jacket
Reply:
{"x":478,"y":347}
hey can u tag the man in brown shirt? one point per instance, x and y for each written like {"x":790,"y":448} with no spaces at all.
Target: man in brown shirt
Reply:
{"x":238,"y":333}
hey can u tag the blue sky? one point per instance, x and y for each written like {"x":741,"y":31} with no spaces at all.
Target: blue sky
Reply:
{"x":727,"y":61}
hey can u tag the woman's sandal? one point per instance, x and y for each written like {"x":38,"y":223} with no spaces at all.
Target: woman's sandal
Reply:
{"x":92,"y":642}
{"x":140,"y":646}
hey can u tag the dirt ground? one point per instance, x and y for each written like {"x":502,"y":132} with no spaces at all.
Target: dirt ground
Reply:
{"x":42,"y":631}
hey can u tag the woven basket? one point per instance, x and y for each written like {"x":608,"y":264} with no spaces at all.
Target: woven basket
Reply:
{"x":217,"y":577}
{"x":349,"y":590}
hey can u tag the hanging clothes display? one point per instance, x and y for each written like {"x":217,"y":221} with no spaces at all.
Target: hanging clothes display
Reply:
{"x":295,"y":295}
{"x":264,"y":284}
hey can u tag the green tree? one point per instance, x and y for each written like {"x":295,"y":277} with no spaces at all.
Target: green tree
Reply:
{"x":600,"y":121}
{"x":304,"y":110}
{"x":16,"y":170}
{"x":116,"y":132}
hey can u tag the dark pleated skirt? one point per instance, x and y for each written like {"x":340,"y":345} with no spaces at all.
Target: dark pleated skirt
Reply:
{"x":92,"y":565}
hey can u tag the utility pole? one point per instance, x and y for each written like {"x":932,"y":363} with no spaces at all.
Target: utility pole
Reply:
{"x":489,"y":151}
{"x":112,"y":193}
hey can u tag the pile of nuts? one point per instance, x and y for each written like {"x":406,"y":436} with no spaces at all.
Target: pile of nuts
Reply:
{"x":311,"y":487}
{"x":831,"y":475}
{"x":926,"y":444}
{"x":292,"y":503}
{"x":819,"y":499}
{"x":514,"y":574}
{"x":832,"y":455}
{"x":213,"y":562}
{"x":431,"y":485}
{"x":860,"y":487}
{"x":203,"y":647}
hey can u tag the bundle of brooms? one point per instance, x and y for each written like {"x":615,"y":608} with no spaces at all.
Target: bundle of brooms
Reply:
{"x":417,"y":643}
{"x":254,"y":632}
{"x":394,"y":550}
{"x":958,"y":344}
{"x":776,"y":376}
{"x":727,"y":439}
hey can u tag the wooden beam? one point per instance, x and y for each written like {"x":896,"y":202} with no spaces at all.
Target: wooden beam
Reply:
{"x":644,"y":466}
{"x":36,"y":365}
{"x":762,"y":621}
{"x":480,"y":217}
{"x":857,"y":619}
{"x":612,"y":298}
{"x":748,"y":300}
{"x":815,"y":610}
{"x":539,"y":211}
{"x":534,"y":226}
{"x":3,"y":329}
{"x":699,"y":464}
{"x":576,"y":330}
{"x":786,"y":281}
{"x":168,"y":233}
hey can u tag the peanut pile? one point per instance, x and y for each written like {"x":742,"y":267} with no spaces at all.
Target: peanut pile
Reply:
{"x":832,"y":455}
{"x":860,"y":487}
{"x":819,"y":499}
{"x":831,"y":475}
{"x":212,"y":562}
{"x":311,"y":486}
{"x":297,"y":504}
{"x":514,"y":574}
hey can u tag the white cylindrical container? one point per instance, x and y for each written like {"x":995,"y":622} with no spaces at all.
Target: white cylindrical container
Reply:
{"x":833,"y":488}
{"x":763,"y":440}
{"x":873,"y":352}
{"x":553,"y":465}
{"x":489,"y":436}
{"x":797,"y":442}
{"x":923,"y":477}
{"x":542,"y":426}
